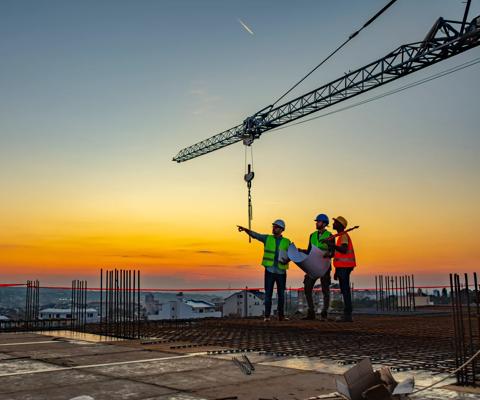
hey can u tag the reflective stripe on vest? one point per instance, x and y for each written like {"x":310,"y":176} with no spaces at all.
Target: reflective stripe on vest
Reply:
{"x":270,"y":250}
{"x":315,"y":241}
{"x":344,"y":260}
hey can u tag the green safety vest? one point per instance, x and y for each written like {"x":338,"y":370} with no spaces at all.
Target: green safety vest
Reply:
{"x":315,"y":241}
{"x":270,"y":249}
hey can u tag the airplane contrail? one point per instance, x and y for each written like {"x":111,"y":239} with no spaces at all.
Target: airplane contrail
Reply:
{"x":246,"y":27}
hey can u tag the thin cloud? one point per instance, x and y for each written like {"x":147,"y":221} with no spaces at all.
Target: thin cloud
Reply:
{"x":205,"y":102}
{"x":8,"y":246}
{"x":205,"y":251}
{"x":246,"y":27}
{"x":153,"y":256}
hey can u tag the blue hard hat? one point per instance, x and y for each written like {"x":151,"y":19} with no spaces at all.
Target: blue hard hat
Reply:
{"x":323,"y":218}
{"x":280,"y":223}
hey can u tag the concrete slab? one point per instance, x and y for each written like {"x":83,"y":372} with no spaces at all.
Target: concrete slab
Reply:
{"x":90,"y":359}
{"x":140,"y":371}
{"x":23,"y":365}
{"x":36,"y":383}
{"x":64,"y":349}
{"x":177,"y":396}
{"x":178,"y":377}
{"x":202,"y":378}
{"x":117,"y":389}
{"x":308,"y":364}
{"x":20,"y":337}
{"x":5,"y":356}
{"x":436,"y":394}
{"x":299,"y":385}
{"x":83,"y":336}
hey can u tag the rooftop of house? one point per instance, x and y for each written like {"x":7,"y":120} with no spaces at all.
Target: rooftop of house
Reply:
{"x":63,"y":310}
{"x":199,"y":303}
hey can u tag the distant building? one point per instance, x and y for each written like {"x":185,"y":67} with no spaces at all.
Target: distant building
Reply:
{"x":236,"y":306}
{"x":366,"y":294}
{"x":317,"y":300}
{"x":219,"y":302}
{"x":152,"y":306}
{"x":180,"y":308}
{"x":423,"y":301}
{"x":66,"y":313}
{"x":3,"y":318}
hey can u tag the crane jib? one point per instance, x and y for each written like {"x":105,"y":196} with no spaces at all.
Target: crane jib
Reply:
{"x":446,"y":39}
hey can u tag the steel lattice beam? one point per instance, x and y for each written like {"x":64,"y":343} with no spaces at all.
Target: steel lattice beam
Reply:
{"x":442,"y":42}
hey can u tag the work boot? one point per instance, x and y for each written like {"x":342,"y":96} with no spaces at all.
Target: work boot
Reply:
{"x":310,"y":315}
{"x":344,"y":318}
{"x":323,"y":316}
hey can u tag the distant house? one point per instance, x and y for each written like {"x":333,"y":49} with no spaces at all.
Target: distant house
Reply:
{"x":317,"y":300}
{"x":66,"y":313}
{"x":181,"y":308}
{"x":152,"y":306}
{"x":219,"y":302}
{"x":240,"y":305}
{"x":423,"y":300}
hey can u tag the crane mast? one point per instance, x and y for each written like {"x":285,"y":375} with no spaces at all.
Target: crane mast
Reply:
{"x":444,"y":40}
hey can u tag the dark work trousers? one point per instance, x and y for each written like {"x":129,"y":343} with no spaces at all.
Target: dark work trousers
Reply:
{"x":309,"y":283}
{"x":343,"y":275}
{"x":281,"y":281}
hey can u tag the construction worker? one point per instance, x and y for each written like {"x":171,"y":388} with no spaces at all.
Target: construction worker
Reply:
{"x":275,"y":261}
{"x":344,"y":263}
{"x":318,"y":239}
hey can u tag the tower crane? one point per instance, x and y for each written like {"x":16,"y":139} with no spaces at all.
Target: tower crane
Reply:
{"x":444,"y":40}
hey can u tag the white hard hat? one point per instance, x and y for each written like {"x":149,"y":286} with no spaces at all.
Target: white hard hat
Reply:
{"x":280,"y":223}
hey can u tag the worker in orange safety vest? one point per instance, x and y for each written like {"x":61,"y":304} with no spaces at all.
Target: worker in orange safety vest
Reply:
{"x":344,"y":263}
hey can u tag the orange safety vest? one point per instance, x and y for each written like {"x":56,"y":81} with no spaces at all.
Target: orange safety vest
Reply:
{"x":344,"y":260}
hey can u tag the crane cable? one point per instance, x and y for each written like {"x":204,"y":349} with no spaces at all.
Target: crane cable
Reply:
{"x":249,"y":174}
{"x":389,"y":93}
{"x":390,"y":3}
{"x":248,"y":177}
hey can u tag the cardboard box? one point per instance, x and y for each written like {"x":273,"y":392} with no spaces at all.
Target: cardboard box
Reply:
{"x":361,"y":382}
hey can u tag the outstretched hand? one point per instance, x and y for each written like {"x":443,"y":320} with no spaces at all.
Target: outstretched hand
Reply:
{"x":241,"y":228}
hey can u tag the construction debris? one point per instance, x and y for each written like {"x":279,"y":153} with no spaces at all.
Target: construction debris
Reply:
{"x":246,"y":367}
{"x":362,"y":382}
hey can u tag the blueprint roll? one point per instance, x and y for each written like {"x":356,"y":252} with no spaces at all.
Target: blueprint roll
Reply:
{"x":313,"y":264}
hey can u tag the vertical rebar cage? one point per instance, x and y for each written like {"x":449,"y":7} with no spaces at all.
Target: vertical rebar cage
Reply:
{"x":120,"y":310}
{"x":32,"y":303}
{"x":78,"y":316}
{"x":395,"y":293}
{"x":466,"y":321}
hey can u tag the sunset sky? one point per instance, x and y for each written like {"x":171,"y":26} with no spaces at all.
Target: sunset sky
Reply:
{"x":96,"y":97}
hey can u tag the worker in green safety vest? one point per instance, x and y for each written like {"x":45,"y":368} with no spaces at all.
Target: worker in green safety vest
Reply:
{"x":318,"y":239}
{"x":275,"y":261}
